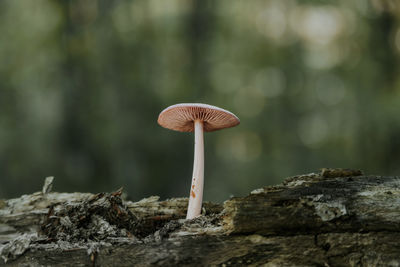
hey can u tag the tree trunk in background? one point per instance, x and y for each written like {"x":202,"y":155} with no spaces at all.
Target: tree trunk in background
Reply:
{"x":333,"y":218}
{"x":199,"y":32}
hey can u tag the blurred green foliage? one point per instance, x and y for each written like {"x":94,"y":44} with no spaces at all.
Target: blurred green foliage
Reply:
{"x":315,"y":84}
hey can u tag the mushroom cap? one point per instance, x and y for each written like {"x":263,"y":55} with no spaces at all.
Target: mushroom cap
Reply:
{"x":181,"y":117}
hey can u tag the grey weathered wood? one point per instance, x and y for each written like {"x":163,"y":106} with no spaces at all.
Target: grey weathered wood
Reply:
{"x":333,"y":218}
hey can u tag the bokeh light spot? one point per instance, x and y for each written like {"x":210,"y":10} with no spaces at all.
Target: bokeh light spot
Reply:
{"x":317,"y":25}
{"x":397,"y":39}
{"x":271,"y":21}
{"x":312,"y":130}
{"x":243,"y":146}
{"x":271,"y":81}
{"x":324,"y":57}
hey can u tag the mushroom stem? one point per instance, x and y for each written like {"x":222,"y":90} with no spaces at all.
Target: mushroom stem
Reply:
{"x":196,"y":190}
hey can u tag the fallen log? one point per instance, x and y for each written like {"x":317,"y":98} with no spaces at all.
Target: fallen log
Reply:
{"x":334,"y":217}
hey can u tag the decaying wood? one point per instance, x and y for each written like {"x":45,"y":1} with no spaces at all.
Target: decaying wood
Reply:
{"x":332,"y":218}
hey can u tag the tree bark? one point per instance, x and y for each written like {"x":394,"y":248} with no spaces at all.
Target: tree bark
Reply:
{"x":333,"y":218}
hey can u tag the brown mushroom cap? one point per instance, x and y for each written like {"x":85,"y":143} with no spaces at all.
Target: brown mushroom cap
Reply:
{"x":181,"y":117}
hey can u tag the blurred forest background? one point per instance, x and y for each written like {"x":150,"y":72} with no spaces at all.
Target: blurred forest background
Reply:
{"x":315,"y":84}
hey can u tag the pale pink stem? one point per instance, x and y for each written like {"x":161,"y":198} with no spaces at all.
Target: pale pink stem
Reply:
{"x":196,"y":190}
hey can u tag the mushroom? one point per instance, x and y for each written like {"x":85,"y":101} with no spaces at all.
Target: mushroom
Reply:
{"x":189,"y":117}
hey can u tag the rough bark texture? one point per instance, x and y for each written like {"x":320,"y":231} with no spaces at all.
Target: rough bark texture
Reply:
{"x":332,"y":218}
